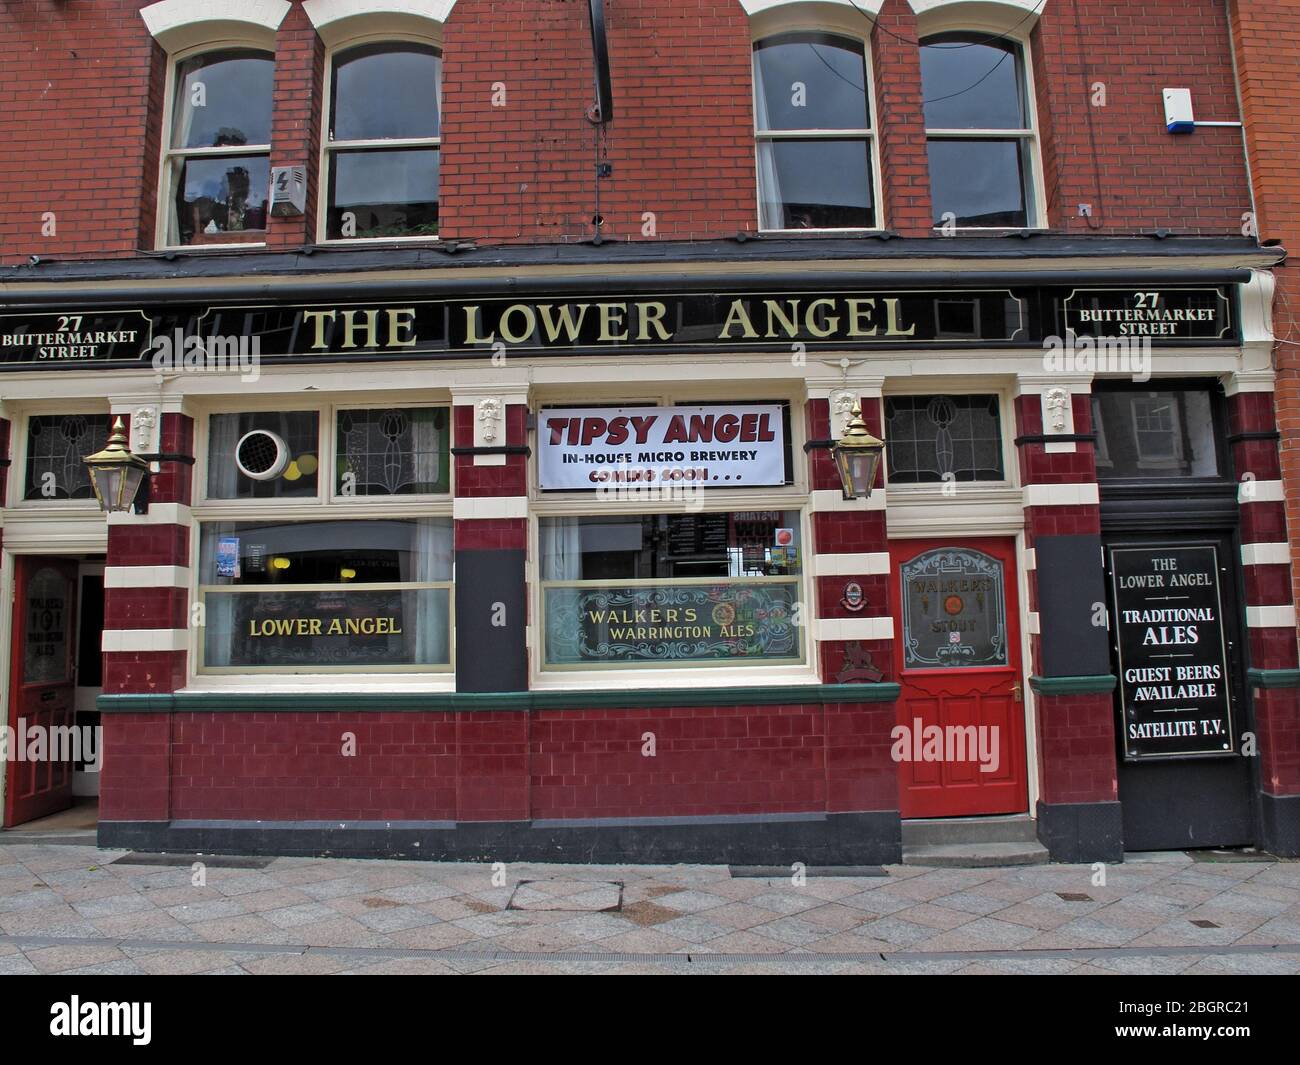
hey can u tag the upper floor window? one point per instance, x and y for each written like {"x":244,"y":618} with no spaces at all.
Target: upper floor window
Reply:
{"x":383,"y":148}
{"x":217,"y":164}
{"x":979,"y":130}
{"x":812,"y":116}
{"x":1145,"y":434}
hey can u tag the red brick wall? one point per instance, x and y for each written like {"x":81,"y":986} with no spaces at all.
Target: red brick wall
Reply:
{"x":1268,"y":56}
{"x":1118,"y":158}
{"x":488,"y":766}
{"x":81,"y":101}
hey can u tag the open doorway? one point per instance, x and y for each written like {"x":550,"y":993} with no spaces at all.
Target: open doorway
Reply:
{"x":54,"y":752}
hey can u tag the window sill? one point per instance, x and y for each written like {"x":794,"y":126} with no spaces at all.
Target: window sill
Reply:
{"x":203,"y":249}
{"x":687,"y":678}
{"x":318,"y":684}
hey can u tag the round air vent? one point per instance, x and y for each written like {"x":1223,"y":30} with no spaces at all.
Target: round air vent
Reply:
{"x":261,"y":455}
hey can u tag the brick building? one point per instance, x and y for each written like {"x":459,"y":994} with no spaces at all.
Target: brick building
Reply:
{"x":492,"y":360}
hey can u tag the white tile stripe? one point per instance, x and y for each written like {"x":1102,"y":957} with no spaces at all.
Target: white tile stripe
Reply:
{"x":1033,"y":623}
{"x":1260,"y":492}
{"x":1031,"y":558}
{"x":834,"y":502}
{"x":490,"y":507}
{"x":1265,"y":554}
{"x":137,"y":640}
{"x":855,"y":629}
{"x":158,"y":514}
{"x":1061,"y":495}
{"x":864,"y":565}
{"x":146,"y":577}
{"x":1271,"y":617}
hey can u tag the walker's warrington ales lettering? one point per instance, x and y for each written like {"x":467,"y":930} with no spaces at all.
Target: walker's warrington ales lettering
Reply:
{"x":671,"y":623}
{"x":1172,"y":651}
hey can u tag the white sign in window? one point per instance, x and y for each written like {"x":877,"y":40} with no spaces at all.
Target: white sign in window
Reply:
{"x":719,"y":447}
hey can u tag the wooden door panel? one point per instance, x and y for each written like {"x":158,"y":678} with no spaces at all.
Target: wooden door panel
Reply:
{"x":42,"y":694}
{"x":958,"y":674}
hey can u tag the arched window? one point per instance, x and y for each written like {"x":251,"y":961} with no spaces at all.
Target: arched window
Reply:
{"x":979,"y":130}
{"x":813,"y":123}
{"x":217,"y":159}
{"x":382,"y":151}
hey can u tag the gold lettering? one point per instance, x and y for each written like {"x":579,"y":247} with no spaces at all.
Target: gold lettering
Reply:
{"x":790,"y":322}
{"x":404,"y":321}
{"x":572,"y":325}
{"x":612,"y":314}
{"x":319,"y":318}
{"x":860,"y":313}
{"x":652,"y":314}
{"x":891,"y":320}
{"x":530,"y":323}
{"x":738,"y":316}
{"x":832,"y":322}
{"x":350,"y":329}
{"x":473,"y":317}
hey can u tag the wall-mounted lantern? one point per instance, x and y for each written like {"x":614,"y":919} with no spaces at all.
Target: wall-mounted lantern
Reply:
{"x":857,"y":457}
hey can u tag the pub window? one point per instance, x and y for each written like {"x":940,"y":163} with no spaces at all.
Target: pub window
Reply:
{"x":621,"y":591}
{"x":979,"y":132}
{"x":934,"y":439}
{"x":382,"y":154}
{"x":57,"y":446}
{"x":264,"y":455}
{"x":393,"y":451}
{"x":812,"y":115}
{"x":1148,"y":434}
{"x":329,"y":596}
{"x":216,"y":167}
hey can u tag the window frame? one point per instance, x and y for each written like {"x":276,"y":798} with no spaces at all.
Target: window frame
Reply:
{"x":871,"y":135}
{"x":328,"y":146}
{"x":327,"y":498}
{"x":1035,"y":199}
{"x":19,"y":446}
{"x":325,"y":506}
{"x":199,"y":669}
{"x":970,"y":490}
{"x":167,"y":153}
{"x":794,"y":497}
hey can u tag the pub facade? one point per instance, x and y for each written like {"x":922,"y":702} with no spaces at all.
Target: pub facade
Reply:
{"x":438,"y":438}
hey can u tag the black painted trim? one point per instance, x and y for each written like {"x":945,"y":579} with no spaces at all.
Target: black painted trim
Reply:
{"x":512,"y":449}
{"x":819,"y":445}
{"x":863,"y":838}
{"x":1279,"y":824}
{"x":314,"y":280}
{"x":1258,"y":434}
{"x":5,"y":464}
{"x":187,"y":460}
{"x":1058,"y":438}
{"x":1080,"y":832}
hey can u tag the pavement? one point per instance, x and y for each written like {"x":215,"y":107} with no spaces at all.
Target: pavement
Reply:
{"x":75,"y":909}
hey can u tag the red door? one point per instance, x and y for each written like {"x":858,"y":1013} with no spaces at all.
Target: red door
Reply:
{"x":42,"y":690}
{"x":960,"y":740}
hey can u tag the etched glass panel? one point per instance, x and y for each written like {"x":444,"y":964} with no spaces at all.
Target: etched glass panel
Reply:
{"x":392,"y":452}
{"x":933,"y":439}
{"x":57,"y":445}
{"x":954,"y":610}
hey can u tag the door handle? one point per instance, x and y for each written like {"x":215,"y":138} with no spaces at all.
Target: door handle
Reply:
{"x":1018,"y":691}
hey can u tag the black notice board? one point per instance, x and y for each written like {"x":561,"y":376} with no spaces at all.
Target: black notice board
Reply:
{"x":1173,"y":663}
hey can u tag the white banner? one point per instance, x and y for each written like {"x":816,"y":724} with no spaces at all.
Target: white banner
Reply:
{"x":715,"y":447}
